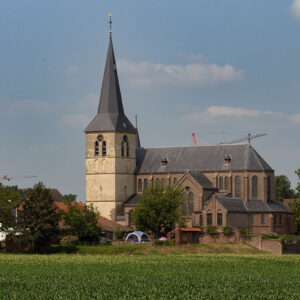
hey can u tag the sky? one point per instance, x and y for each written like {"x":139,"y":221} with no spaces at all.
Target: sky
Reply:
{"x":217,"y":68}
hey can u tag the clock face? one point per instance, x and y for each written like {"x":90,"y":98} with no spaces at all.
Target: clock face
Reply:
{"x":100,"y":137}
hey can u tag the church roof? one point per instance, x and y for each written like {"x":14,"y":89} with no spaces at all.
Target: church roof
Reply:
{"x":199,"y":158}
{"x":201,"y":179}
{"x":111,"y":116}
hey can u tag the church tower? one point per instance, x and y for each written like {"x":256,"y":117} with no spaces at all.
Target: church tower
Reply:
{"x":110,"y":148}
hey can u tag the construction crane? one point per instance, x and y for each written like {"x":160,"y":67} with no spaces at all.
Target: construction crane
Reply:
{"x":194,"y":139}
{"x":9,"y":178}
{"x":246,"y":138}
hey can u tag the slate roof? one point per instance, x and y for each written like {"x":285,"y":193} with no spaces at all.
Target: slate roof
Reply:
{"x":56,"y":195}
{"x":110,"y":115}
{"x":199,"y":158}
{"x":238,"y":205}
{"x":233,"y":204}
{"x":201,"y":179}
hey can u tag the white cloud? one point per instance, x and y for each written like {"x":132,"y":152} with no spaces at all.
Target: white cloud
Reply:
{"x":72,"y":69}
{"x":295,"y":7}
{"x":76,"y":120}
{"x":145,"y":74}
{"x":295,"y":118}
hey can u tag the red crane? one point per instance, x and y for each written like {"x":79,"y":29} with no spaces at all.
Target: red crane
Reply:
{"x":194,"y":139}
{"x":9,"y":178}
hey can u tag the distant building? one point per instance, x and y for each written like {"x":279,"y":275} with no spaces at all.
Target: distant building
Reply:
{"x":225,"y":184}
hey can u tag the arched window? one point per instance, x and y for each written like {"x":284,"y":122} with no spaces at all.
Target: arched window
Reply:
{"x":200,"y":220}
{"x":219,"y":219}
{"x":269,"y":188}
{"x":127,"y":149}
{"x":157,"y":182}
{"x":103,"y":148}
{"x":163,"y":184}
{"x":220,"y":183}
{"x":254,"y":187}
{"x":122,"y":148}
{"x":140,"y":185}
{"x":237,"y":186}
{"x":125,"y":190}
{"x":226,"y":183}
{"x":96,"y":148}
{"x":175,"y":180}
{"x":145,"y":184}
{"x":190,"y":203}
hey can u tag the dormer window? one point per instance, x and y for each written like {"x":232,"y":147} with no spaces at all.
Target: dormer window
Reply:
{"x":164,"y":162}
{"x":227,"y":159}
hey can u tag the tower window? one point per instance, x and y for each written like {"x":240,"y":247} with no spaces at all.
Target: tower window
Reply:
{"x":103,"y":148}
{"x":96,"y":148}
{"x":127,"y":149}
{"x":254,"y":187}
{"x":122,"y":149}
{"x":221,"y":183}
{"x":237,"y":186}
{"x":140,"y":185}
{"x":269,"y":188}
{"x":200,"y":220}
{"x":226,"y":183}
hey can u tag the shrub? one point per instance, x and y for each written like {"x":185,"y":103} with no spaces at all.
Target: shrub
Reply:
{"x":244,"y":231}
{"x":228,"y":230}
{"x":118,"y":234}
{"x":69,"y":240}
{"x":163,"y":243}
{"x":211,"y":230}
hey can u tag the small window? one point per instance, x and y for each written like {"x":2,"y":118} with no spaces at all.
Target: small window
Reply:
{"x":127,"y":149}
{"x":145,"y":184}
{"x":175,"y":180}
{"x":164,"y":162}
{"x":269,"y":188}
{"x":274,"y":220}
{"x":220,"y":183}
{"x":279,"y":219}
{"x":262,"y":219}
{"x":254,"y":187}
{"x":209,"y":218}
{"x":140,"y":185}
{"x":227,"y":159}
{"x":96,"y":148}
{"x":219,"y":219}
{"x":122,"y":149}
{"x":226,"y":183}
{"x":190,"y":203}
{"x":103,"y":148}
{"x":237,"y":186}
{"x":201,"y":220}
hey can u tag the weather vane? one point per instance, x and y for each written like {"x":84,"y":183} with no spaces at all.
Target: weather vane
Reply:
{"x":110,"y":22}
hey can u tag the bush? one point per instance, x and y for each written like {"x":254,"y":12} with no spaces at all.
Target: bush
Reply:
{"x":211,"y":230}
{"x":163,"y":243}
{"x":228,"y":230}
{"x":244,"y":231}
{"x":69,"y":240}
{"x":118,"y":234}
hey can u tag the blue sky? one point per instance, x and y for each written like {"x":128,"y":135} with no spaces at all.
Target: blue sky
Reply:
{"x":220,"y":69}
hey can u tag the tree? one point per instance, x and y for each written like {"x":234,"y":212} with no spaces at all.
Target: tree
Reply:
{"x":295,"y":207}
{"x":298,"y":184}
{"x":10,"y":197}
{"x":283,"y":188}
{"x":82,"y":222}
{"x":68,"y":198}
{"x":159,"y":211}
{"x":38,"y":218}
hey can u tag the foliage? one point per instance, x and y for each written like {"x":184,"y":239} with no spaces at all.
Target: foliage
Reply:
{"x":163,"y":243}
{"x":38,"y":218}
{"x":69,"y":240}
{"x":297,"y":172}
{"x":283,"y":188}
{"x":10,"y":197}
{"x":244,"y":231}
{"x":118,"y":234}
{"x":159,"y":211}
{"x":81,"y":221}
{"x":68,"y":198}
{"x":228,"y":230}
{"x":211,"y":230}
{"x":138,"y":277}
{"x":295,"y":207}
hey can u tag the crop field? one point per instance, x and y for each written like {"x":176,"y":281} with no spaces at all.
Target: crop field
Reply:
{"x":149,"y":277}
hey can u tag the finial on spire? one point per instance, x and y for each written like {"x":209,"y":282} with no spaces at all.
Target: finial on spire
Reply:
{"x":110,"y":22}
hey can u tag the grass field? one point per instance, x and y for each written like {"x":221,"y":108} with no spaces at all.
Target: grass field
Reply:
{"x":149,"y":277}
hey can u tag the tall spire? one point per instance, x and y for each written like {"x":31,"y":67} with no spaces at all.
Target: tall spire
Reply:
{"x":111,"y":116}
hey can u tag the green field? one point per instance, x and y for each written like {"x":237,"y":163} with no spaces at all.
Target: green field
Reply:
{"x":149,"y":277}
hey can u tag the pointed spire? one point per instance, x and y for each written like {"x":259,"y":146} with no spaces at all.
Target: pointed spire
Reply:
{"x":111,"y":116}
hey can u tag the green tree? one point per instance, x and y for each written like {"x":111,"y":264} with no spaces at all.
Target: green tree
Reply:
{"x":159,"y":211}
{"x":81,"y":221}
{"x":295,"y":207}
{"x":283,"y":188}
{"x":10,"y":197}
{"x":298,"y":185}
{"x":38,"y":218}
{"x":68,"y":198}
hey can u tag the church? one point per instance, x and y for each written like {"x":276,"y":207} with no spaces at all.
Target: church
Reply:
{"x":226,"y":184}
